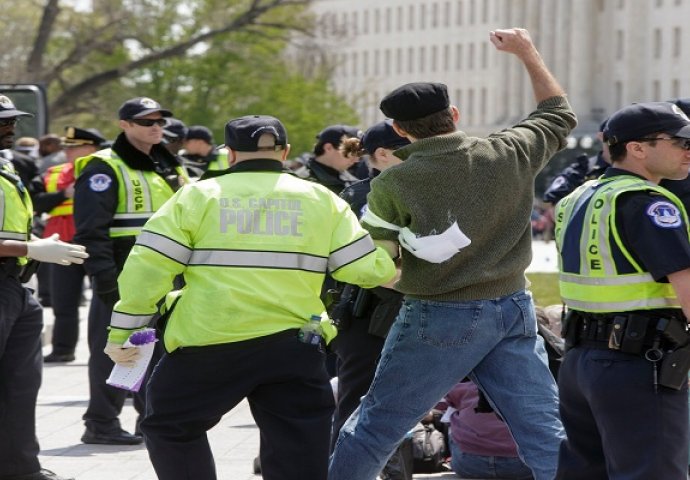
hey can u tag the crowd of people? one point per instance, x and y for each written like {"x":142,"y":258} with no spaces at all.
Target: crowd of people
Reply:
{"x":390,"y":258}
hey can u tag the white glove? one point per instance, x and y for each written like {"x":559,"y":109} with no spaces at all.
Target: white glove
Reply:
{"x":122,"y":356}
{"x":52,"y":250}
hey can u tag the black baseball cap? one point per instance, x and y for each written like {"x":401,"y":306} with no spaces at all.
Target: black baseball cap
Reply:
{"x":8,"y":110}
{"x":334,"y":134}
{"x":199,"y":132}
{"x":175,"y":128}
{"x":382,"y":135}
{"x":415,"y":100}
{"x":75,"y":136}
{"x":139,"y":107}
{"x":641,"y":119}
{"x":242,"y":134}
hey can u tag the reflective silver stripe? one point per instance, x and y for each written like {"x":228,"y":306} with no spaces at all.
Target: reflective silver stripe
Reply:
{"x":609,"y":281}
{"x":126,"y":320}
{"x":234,"y":258}
{"x":146,"y":194}
{"x":135,"y":230}
{"x":350,"y":253}
{"x":622,"y":306}
{"x":13,"y":236}
{"x":165,"y":246}
{"x":132,"y":216}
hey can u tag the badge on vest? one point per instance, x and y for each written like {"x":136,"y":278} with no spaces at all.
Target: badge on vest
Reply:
{"x":100,"y":182}
{"x":664,"y":215}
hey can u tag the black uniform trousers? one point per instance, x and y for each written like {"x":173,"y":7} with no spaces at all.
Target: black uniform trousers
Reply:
{"x":21,"y":363}
{"x":288,"y":390}
{"x":66,"y":285}
{"x":105,"y":402}
{"x":358,"y":353}
{"x":618,"y":427}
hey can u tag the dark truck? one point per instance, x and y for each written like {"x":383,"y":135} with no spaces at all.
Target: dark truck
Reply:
{"x":29,"y":98}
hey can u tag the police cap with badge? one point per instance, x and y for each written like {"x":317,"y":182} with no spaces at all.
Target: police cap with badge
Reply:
{"x":76,"y":137}
{"x":8,"y":110}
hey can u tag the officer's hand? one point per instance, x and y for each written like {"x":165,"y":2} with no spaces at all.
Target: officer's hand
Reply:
{"x":52,"y":250}
{"x":122,"y":356}
{"x":105,"y":287}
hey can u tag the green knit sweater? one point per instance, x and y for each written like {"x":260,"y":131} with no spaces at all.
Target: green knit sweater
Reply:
{"x":487,"y":186}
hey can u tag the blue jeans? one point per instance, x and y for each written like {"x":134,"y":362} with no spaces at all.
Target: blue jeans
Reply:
{"x":432,"y":346}
{"x":468,"y":465}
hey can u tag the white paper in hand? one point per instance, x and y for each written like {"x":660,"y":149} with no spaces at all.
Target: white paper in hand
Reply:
{"x":131,"y":378}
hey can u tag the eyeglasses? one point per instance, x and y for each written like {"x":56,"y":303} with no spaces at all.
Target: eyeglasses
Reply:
{"x":149,"y":122}
{"x":6,"y":122}
{"x":683,"y":143}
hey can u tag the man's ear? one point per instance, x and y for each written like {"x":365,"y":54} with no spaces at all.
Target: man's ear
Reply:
{"x":286,"y":151}
{"x":456,"y":113}
{"x":399,"y":130}
{"x":232,"y":156}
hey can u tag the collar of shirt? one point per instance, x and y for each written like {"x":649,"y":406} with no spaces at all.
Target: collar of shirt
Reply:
{"x":255,"y":165}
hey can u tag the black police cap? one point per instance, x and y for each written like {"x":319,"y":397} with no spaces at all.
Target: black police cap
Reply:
{"x":175,"y":128}
{"x":334,"y":134}
{"x":638,"y":120}
{"x":199,"y":132}
{"x":242,"y":134}
{"x":382,"y":135}
{"x":75,"y":136}
{"x":139,"y":107}
{"x":415,"y":100}
{"x":8,"y":110}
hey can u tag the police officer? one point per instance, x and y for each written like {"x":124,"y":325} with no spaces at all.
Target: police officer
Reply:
{"x":625,"y":276}
{"x":328,"y":166}
{"x":174,"y":134}
{"x":259,"y":242}
{"x":116,"y":191}
{"x":199,"y":152}
{"x":66,"y":282}
{"x":21,"y":317}
{"x":363,"y":316}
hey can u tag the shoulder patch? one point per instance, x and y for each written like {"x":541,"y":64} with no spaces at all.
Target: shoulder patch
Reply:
{"x":100,"y":182}
{"x":664,"y":214}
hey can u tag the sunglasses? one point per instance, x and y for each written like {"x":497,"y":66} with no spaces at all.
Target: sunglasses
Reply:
{"x":683,"y":143}
{"x":6,"y":122}
{"x":149,"y":122}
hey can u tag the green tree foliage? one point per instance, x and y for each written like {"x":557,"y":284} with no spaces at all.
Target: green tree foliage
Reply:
{"x":207,"y":60}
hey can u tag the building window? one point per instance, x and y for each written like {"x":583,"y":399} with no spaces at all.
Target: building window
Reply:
{"x":618,"y":93}
{"x":377,"y":62}
{"x":389,"y":19}
{"x":434,"y":58}
{"x":470,"y":106}
{"x":400,"y":20}
{"x":410,"y":17}
{"x":458,"y":102}
{"x":422,"y":59}
{"x":354,"y":64}
{"x":657,"y":43}
{"x":355,"y":20}
{"x":365,"y":22}
{"x":458,"y":56}
{"x":434,"y":15}
{"x":659,"y":3}
{"x":473,"y":8}
{"x":675,"y":88}
{"x":656,"y":89}
{"x":621,"y":4}
{"x":482,"y":107}
{"x":377,"y":21}
{"x":365,"y":63}
{"x":446,"y":58}
{"x":619,"y":45}
{"x":485,"y":11}
{"x":458,"y":13}
{"x":387,"y":62}
{"x":485,"y":56}
{"x":410,"y":60}
{"x":342,"y":65}
{"x":446,"y":14}
{"x":422,"y":16}
{"x":470,"y":57}
{"x":677,"y":42}
{"x":398,"y":60}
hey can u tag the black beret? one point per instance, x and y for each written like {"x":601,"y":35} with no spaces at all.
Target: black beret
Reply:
{"x":415,"y":100}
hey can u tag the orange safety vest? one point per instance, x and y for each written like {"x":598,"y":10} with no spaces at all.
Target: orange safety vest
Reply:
{"x":51,"y":184}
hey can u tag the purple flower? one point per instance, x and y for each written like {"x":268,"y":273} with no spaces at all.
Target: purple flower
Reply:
{"x":142,"y":337}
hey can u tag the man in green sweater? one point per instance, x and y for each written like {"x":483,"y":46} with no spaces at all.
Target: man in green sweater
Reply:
{"x":460,"y":208}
